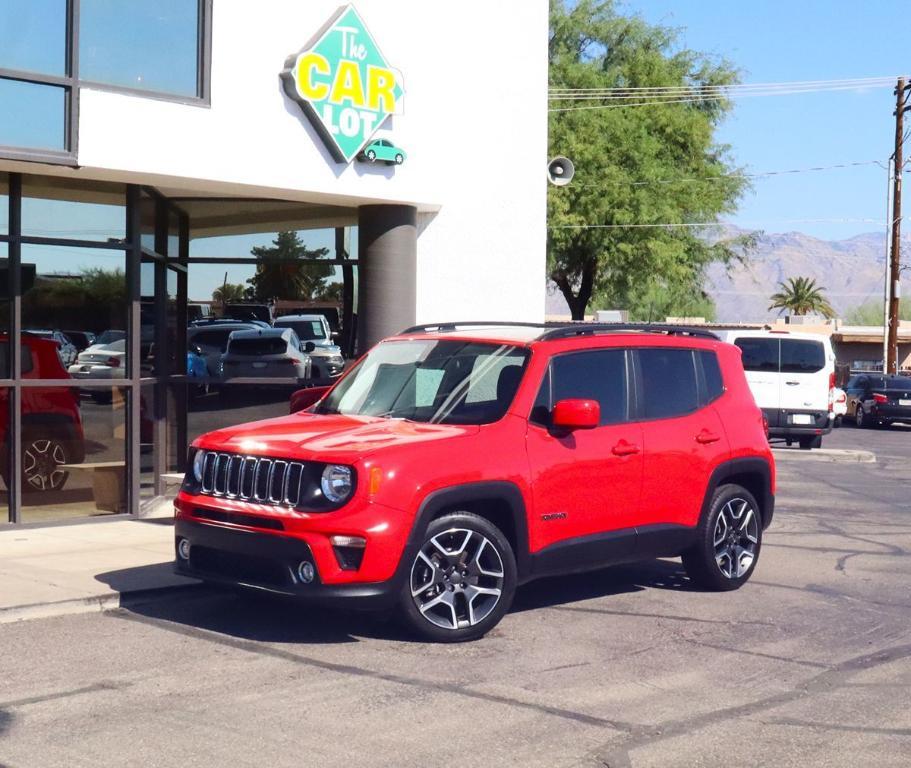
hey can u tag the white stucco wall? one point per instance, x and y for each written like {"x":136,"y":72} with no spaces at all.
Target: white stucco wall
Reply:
{"x":474,"y":127}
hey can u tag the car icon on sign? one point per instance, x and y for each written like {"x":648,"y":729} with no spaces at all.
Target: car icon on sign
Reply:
{"x":383,"y":149}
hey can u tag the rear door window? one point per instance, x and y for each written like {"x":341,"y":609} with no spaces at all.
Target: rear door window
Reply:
{"x":711,"y":372}
{"x":595,"y":375}
{"x":759,"y":354}
{"x":801,"y":356}
{"x":669,"y":385}
{"x":25,"y":356}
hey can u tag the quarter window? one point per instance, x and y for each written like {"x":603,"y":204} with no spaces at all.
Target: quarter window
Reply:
{"x":596,"y":375}
{"x":711,"y":371}
{"x":668,"y":382}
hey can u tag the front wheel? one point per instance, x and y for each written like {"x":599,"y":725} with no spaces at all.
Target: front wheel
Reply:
{"x":43,"y":458}
{"x":728,"y":541}
{"x":461,"y":581}
{"x":399,"y":159}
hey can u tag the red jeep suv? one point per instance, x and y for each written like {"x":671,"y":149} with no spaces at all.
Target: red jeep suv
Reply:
{"x":454,"y":462}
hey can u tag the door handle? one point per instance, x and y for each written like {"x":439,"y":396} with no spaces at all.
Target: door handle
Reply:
{"x":624,"y":448}
{"x":792,"y":383}
{"x":705,"y":437}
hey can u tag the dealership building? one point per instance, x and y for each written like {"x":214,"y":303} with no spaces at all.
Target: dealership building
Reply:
{"x":165,"y":162}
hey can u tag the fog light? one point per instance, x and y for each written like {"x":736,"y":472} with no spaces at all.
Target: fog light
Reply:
{"x":306,"y":572}
{"x":183,"y":549}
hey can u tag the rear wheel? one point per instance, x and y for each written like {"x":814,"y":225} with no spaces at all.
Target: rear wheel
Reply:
{"x":806,"y":443}
{"x":728,"y":541}
{"x":461,"y":581}
{"x":42,"y":458}
{"x":860,"y":417}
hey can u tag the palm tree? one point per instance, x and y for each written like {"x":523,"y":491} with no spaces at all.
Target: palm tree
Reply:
{"x":801,"y":296}
{"x":229,"y":293}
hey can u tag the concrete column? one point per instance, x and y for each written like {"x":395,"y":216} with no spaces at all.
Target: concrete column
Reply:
{"x":387,"y":249}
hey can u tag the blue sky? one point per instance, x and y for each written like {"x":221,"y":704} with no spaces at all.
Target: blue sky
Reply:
{"x":778,"y":40}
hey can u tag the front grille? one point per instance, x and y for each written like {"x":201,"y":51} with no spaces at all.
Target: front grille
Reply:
{"x":252,"y":478}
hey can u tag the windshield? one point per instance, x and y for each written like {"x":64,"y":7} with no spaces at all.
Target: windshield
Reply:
{"x":307,"y":330}
{"x":440,"y":382}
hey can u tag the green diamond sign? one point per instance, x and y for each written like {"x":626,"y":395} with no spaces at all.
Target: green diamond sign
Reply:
{"x":344,"y":84}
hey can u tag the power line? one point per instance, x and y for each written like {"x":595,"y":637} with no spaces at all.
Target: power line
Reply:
{"x":683,"y":225}
{"x":735,"y":175}
{"x":732,"y":86}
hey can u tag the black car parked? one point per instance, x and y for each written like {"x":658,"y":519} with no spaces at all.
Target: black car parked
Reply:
{"x":874,"y":399}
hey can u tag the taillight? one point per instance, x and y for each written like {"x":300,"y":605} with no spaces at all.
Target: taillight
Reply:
{"x":831,"y":391}
{"x":113,"y":362}
{"x":843,"y":398}
{"x":880,"y":398}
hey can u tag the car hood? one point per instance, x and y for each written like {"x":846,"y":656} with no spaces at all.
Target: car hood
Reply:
{"x":332,"y":437}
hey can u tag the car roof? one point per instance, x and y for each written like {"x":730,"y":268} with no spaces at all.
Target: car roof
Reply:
{"x":528,"y":334}
{"x":262,"y":333}
{"x":774,"y":334}
{"x":300,"y":318}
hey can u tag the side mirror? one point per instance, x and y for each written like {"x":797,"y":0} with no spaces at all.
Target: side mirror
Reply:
{"x":304,"y":398}
{"x":333,"y":335}
{"x":576,"y":414}
{"x":309,"y":347}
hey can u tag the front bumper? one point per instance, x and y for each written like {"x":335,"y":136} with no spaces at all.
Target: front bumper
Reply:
{"x":270,"y":563}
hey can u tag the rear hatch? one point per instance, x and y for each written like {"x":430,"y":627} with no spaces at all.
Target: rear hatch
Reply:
{"x":893,"y":399}
{"x":259,"y":356}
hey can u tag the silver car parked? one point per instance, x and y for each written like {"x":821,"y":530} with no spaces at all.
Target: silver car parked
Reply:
{"x":266,"y":353}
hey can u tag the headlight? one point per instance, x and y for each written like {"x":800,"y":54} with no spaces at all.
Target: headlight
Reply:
{"x":199,"y":461}
{"x":336,"y":483}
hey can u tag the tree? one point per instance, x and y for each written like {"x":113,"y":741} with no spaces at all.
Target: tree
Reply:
{"x":801,"y":296}
{"x":282,"y":272}
{"x":642,"y":165}
{"x":871,"y":313}
{"x":229,"y":293}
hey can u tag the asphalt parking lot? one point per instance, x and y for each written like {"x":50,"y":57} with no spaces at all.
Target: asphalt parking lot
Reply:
{"x":809,"y":664}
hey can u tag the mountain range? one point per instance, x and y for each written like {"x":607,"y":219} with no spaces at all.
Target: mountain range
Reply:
{"x":850,"y":271}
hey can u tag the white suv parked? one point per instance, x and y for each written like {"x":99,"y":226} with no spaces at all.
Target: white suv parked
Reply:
{"x":792,"y":377}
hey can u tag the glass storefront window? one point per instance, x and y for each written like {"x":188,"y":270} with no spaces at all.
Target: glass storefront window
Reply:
{"x":147,"y":44}
{"x":4,"y":306}
{"x":283,"y":244}
{"x":33,"y":115}
{"x":81,"y":294}
{"x":73,"y":452}
{"x":33,"y":35}
{"x":60,"y":208}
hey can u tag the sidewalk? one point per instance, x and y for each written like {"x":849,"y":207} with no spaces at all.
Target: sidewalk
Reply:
{"x":85,"y":567}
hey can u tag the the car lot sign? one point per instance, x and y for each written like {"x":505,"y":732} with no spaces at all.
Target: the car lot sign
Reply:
{"x":344,"y":84}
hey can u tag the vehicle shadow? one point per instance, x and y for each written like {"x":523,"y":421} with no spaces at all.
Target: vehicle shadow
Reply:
{"x":606,"y":582}
{"x":248,"y":615}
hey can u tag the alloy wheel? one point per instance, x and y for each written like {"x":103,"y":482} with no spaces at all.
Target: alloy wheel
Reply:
{"x":859,"y":416}
{"x":736,"y":538}
{"x":41,"y":461}
{"x":457,"y":578}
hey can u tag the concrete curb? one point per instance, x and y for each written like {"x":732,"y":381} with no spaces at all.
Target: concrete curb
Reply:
{"x":831,"y":455}
{"x":91,"y":604}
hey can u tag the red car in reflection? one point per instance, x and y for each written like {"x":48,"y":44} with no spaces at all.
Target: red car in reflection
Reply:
{"x":52,"y":434}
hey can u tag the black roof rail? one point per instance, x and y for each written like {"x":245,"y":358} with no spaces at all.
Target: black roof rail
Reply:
{"x":568,"y":330}
{"x":451,"y":326}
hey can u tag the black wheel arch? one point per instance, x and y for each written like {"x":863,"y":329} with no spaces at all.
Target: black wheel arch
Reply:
{"x":499,"y":502}
{"x":754,"y":474}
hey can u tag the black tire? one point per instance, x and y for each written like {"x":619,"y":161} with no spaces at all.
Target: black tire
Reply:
{"x":40,"y":453}
{"x":371,"y":156}
{"x":860,"y":417}
{"x":454,"y":621}
{"x":806,"y":443}
{"x":837,"y":422}
{"x":706,"y":568}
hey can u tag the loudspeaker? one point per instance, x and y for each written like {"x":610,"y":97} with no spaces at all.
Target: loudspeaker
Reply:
{"x":560,"y":171}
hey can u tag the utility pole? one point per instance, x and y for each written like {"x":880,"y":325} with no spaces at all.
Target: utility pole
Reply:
{"x":894,"y":294}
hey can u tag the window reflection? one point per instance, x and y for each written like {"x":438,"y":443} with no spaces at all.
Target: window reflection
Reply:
{"x":4,"y":204}
{"x":73,"y":450}
{"x":146,"y":44}
{"x":33,"y":115}
{"x":58,"y":208}
{"x":33,"y":35}
{"x":76,"y":297}
{"x":5,"y":401}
